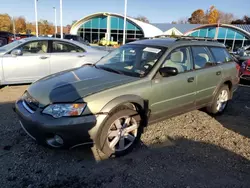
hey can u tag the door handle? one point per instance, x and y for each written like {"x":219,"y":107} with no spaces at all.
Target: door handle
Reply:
{"x":81,"y":56}
{"x":191,"y":79}
{"x":218,"y":73}
{"x":43,"y":57}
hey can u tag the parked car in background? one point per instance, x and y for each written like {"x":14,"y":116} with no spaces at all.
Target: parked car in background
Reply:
{"x":29,"y":59}
{"x":72,"y":37}
{"x":243,"y":54}
{"x":245,"y":70}
{"x":142,"y":82}
{"x":22,"y":36}
{"x":6,"y":38}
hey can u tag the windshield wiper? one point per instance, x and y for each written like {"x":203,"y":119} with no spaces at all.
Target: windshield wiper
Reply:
{"x":110,"y":69}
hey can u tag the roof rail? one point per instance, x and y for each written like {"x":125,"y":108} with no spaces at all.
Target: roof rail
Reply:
{"x":178,"y":38}
{"x":197,"y":38}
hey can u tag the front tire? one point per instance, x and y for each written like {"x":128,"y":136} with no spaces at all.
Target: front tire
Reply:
{"x":120,"y":133}
{"x":220,"y":101}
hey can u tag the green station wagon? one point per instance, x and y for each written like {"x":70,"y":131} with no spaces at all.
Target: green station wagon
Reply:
{"x":109,"y":103}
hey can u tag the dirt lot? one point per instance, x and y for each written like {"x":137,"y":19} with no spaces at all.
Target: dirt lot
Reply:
{"x":191,"y":150}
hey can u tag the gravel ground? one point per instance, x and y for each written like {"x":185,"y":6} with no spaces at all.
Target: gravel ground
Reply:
{"x":191,"y":150}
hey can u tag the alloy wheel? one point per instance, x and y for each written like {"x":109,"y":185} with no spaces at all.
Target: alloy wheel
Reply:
{"x":122,"y":133}
{"x":222,"y":100}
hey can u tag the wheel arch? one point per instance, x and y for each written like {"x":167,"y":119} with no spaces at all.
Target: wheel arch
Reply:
{"x":131,"y":101}
{"x":227,"y":81}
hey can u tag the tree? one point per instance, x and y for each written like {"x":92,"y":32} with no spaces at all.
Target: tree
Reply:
{"x":45,"y":28}
{"x":73,"y":22}
{"x":197,"y":17}
{"x":20,"y":24}
{"x":246,"y":19}
{"x":225,"y":17}
{"x":5,"y":22}
{"x":213,"y":15}
{"x":142,"y":18}
{"x":182,"y":21}
{"x":174,"y":22}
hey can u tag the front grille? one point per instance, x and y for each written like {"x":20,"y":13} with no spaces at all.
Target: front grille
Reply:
{"x":32,"y":103}
{"x":248,"y":68}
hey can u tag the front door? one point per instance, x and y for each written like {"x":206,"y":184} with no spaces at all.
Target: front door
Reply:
{"x":175,"y":94}
{"x":31,"y":65}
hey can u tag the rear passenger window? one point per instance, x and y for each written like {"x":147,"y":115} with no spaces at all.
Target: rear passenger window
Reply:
{"x":221,"y":55}
{"x":201,"y":57}
{"x":62,"y":47}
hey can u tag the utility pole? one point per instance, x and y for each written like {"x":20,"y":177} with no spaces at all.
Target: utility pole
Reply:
{"x":36,"y":17}
{"x":55,"y":21}
{"x":14,"y":28}
{"x":61,"y":19}
{"x":125,"y":21}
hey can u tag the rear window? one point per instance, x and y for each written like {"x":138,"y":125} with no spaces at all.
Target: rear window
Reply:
{"x":221,"y":55}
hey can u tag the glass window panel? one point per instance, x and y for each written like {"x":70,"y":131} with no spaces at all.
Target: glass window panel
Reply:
{"x":230,"y":34}
{"x":203,"y":33}
{"x":222,"y":33}
{"x":103,"y":22}
{"x":194,"y":34}
{"x":95,"y":23}
{"x":211,"y":32}
{"x":239,"y":36}
{"x":87,"y":24}
{"x":114,"y":22}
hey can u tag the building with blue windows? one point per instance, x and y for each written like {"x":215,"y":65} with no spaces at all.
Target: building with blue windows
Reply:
{"x":233,"y":36}
{"x":110,"y":26}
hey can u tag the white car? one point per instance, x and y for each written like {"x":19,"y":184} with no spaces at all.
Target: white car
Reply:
{"x":29,"y":59}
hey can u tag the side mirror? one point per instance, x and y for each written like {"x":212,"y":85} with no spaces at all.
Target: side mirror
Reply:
{"x":168,"y":71}
{"x":16,"y":52}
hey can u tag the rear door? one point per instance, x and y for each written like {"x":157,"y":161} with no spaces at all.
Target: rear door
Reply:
{"x":65,"y":56}
{"x":28,"y":67}
{"x":208,"y":74}
{"x":226,"y":62}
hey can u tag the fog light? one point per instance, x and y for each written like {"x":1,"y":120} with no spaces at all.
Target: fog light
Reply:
{"x":58,"y":139}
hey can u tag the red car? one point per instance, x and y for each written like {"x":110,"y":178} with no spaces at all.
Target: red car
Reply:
{"x":245,"y":70}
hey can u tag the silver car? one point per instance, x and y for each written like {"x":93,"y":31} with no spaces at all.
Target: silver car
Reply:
{"x":29,"y":59}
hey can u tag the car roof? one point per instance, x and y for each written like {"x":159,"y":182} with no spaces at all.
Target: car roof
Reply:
{"x":167,"y":42}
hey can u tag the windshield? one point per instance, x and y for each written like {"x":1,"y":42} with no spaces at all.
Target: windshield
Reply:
{"x":11,"y":45}
{"x":132,"y":60}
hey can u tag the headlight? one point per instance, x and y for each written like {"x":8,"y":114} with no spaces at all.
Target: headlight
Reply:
{"x":64,"y":110}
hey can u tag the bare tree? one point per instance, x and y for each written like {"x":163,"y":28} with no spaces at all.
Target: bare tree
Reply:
{"x":183,"y":20}
{"x":142,"y":18}
{"x":225,"y":17}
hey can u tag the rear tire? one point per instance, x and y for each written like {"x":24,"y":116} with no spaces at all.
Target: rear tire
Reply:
{"x":120,"y":133}
{"x":220,"y":101}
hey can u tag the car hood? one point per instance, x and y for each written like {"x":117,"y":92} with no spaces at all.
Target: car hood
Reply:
{"x":70,"y":85}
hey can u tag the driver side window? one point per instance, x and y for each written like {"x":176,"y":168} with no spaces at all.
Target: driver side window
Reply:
{"x":36,"y":47}
{"x":179,"y":59}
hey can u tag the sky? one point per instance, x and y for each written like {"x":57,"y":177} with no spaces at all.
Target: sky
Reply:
{"x":157,"y":11}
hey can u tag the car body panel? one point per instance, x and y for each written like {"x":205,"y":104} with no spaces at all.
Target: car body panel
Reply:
{"x":79,"y":84}
{"x":25,"y":68}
